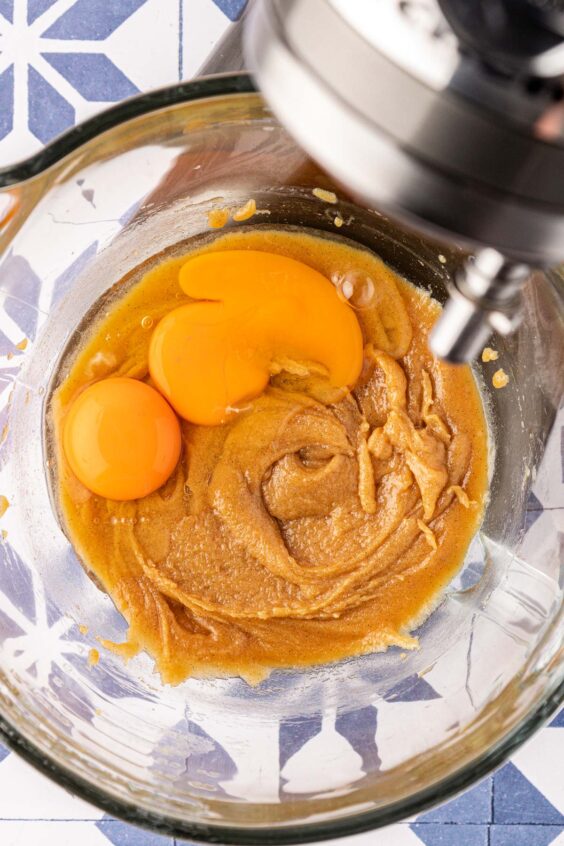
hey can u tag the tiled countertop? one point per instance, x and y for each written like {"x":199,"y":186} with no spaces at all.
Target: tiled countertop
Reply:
{"x":60,"y":62}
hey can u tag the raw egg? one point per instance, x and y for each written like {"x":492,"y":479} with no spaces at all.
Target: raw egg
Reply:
{"x":121,"y":438}
{"x":250,"y":312}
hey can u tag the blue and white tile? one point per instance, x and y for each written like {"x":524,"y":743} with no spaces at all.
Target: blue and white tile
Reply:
{"x":420,"y":722}
{"x":548,"y":486}
{"x":531,"y":787}
{"x":516,"y":801}
{"x":437,"y":834}
{"x":119,"y":833}
{"x":255,"y":774}
{"x":19,"y":781}
{"x":393,"y":835}
{"x":61,"y":61}
{"x":198,"y":41}
{"x":77,"y":56}
{"x":327,"y":760}
{"x":526,"y":835}
{"x":539,"y":544}
{"x":232,"y":9}
{"x":473,"y":807}
{"x":51,"y":833}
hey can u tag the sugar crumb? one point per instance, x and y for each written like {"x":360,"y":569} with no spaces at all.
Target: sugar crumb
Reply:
{"x":217,"y":218}
{"x":500,"y":378}
{"x":489,"y":355}
{"x":246,"y":211}
{"x":326,"y":196}
{"x":93,"y":657}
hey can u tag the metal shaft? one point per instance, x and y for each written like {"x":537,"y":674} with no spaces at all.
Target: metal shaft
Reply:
{"x":485,"y":297}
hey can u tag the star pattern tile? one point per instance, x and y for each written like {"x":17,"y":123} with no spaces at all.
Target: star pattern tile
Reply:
{"x":60,"y":61}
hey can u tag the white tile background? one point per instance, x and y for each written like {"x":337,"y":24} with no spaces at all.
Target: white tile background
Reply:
{"x":161,"y":42}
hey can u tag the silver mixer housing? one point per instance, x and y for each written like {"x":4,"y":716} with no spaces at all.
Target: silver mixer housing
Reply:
{"x":445,"y":115}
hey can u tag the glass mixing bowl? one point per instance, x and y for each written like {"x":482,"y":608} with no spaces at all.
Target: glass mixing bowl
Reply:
{"x":306,"y":754}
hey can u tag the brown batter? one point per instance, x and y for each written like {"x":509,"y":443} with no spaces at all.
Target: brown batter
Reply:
{"x":309,"y":528}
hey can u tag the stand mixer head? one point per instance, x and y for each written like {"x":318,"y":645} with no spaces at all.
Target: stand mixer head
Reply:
{"x":447,"y":115}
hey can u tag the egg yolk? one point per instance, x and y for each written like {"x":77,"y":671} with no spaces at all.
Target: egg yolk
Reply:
{"x":251,"y":310}
{"x":121,"y":438}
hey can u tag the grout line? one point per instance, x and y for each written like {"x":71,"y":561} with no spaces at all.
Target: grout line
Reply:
{"x":180,"y":40}
{"x":492,"y":800}
{"x":479,"y":824}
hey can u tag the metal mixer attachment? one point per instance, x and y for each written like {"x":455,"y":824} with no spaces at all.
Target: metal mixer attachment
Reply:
{"x":447,"y":115}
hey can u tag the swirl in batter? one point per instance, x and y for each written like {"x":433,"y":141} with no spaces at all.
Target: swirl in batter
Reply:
{"x":315,"y":524}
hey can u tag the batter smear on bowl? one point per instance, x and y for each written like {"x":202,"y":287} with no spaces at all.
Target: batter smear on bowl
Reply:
{"x":321,"y":513}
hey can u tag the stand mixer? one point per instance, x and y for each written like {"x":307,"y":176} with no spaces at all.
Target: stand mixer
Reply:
{"x":446,"y":114}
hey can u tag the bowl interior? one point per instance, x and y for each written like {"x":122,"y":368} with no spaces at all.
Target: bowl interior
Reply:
{"x":305,"y":751}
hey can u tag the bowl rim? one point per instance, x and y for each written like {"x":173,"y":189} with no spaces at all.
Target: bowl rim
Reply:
{"x":297,"y":833}
{"x":267,"y":835}
{"x":142,"y":104}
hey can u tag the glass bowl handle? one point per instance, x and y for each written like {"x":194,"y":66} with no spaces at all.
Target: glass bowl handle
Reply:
{"x":9,"y":206}
{"x":15,"y":205}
